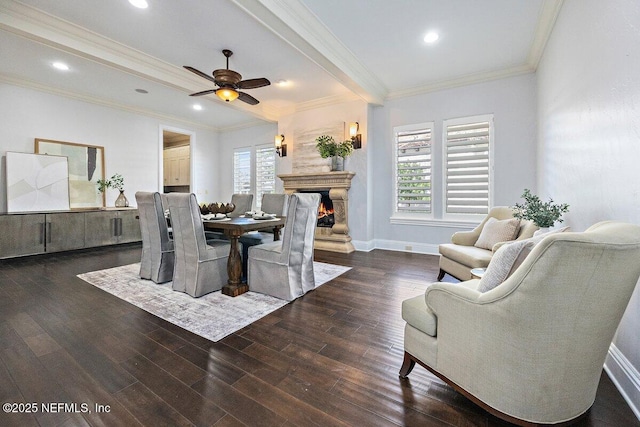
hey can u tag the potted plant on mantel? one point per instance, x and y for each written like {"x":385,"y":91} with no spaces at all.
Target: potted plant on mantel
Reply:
{"x":328,"y":147}
{"x":543,"y":214}
{"x":117,"y":182}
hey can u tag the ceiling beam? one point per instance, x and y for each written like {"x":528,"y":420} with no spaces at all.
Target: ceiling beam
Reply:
{"x":293,"y":22}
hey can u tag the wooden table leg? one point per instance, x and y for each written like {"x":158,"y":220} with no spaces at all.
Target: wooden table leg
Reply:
{"x":234,"y":286}
{"x":276,"y":233}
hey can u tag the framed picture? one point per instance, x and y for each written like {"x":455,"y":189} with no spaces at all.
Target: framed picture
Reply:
{"x":86,"y":167}
{"x":37,"y":183}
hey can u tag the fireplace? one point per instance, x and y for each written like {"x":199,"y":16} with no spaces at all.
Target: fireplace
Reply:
{"x":332,"y":232}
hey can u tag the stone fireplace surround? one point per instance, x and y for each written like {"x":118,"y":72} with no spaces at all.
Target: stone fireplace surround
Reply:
{"x":336,"y":238}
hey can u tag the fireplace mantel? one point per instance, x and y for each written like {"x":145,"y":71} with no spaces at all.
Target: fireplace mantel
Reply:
{"x":336,"y":238}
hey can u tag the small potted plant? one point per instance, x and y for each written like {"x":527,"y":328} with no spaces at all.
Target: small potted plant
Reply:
{"x":543,"y":214}
{"x":328,"y":147}
{"x":117,"y":182}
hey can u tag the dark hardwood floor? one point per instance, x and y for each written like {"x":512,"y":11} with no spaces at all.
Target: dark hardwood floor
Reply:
{"x":330,"y":358}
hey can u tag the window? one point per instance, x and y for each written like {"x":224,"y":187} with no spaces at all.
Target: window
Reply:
{"x":413,"y":169}
{"x":242,"y":170}
{"x":467,"y":168}
{"x":265,"y":172}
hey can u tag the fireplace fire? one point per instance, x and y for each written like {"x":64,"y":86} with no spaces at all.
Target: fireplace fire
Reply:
{"x":326,"y":216}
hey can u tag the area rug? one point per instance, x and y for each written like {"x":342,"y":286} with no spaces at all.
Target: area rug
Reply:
{"x":212,"y":316}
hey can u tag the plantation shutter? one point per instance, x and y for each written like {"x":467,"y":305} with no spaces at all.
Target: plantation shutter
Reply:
{"x":413,"y":170}
{"x":242,"y":171}
{"x":467,"y":168}
{"x":265,"y":172}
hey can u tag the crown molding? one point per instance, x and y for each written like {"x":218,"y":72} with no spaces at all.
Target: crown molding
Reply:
{"x":546,"y":21}
{"x":463,"y":81}
{"x":292,"y":21}
{"x":99,"y":101}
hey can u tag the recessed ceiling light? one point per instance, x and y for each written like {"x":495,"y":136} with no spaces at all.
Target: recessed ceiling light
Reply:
{"x":197,"y":107}
{"x":142,"y":91}
{"x":282,"y":82}
{"x":60,"y":66}
{"x":140,"y":4}
{"x":431,"y":37}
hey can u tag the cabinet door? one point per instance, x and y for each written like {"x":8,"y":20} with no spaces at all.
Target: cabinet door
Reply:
{"x":21,"y":235}
{"x":100,"y":228}
{"x":174,"y":171}
{"x":183,"y":171}
{"x":129,"y":227}
{"x":65,"y":231}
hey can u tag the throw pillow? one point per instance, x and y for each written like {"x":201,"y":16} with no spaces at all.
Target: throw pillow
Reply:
{"x":495,"y":231}
{"x":508,"y":258}
{"x":504,"y":262}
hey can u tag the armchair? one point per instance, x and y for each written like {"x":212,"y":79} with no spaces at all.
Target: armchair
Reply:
{"x":460,"y":256}
{"x":530,"y":350}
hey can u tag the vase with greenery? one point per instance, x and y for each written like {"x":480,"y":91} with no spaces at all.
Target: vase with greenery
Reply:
{"x":543,"y":214}
{"x":117,"y":182}
{"x":328,"y":147}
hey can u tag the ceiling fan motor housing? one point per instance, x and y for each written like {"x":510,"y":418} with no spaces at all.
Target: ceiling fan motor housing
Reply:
{"x":226,"y":77}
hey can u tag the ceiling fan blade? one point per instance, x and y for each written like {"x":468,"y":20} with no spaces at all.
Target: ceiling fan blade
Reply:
{"x":253,"y":83}
{"x":245,"y":97}
{"x":204,"y":92}
{"x":200,"y":73}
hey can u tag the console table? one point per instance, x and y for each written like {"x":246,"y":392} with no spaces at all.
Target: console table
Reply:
{"x":32,"y":233}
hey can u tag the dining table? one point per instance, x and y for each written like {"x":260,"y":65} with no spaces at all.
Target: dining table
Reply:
{"x":233,"y":228}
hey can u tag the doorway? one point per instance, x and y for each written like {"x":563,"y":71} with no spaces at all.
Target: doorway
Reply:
{"x":176,"y":161}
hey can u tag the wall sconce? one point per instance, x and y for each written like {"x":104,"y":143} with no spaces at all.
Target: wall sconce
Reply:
{"x":281,"y":148}
{"x":356,"y":138}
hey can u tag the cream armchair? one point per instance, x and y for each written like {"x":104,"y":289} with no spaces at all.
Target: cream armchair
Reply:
{"x":531,"y":349}
{"x":460,"y":256}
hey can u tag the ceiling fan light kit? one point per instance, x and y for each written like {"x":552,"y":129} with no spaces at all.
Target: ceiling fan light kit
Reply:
{"x":229,"y":82}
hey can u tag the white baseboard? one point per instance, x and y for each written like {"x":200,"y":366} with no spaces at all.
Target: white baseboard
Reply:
{"x":395,"y":245}
{"x":625,"y":377}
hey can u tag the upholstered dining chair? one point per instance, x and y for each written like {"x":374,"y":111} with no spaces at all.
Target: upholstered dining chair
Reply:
{"x":530,"y":350}
{"x":200,"y":266}
{"x":284,"y":268}
{"x":157,"y":258}
{"x":242,"y":203}
{"x":273,"y":203}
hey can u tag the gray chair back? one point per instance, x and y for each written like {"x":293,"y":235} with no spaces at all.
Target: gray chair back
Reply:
{"x":274,"y":203}
{"x":299,"y":234}
{"x":242,"y":202}
{"x":157,"y":259}
{"x":200,"y":268}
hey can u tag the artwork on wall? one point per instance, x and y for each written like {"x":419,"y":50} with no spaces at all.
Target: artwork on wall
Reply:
{"x":305,"y":156}
{"x":86,"y":167}
{"x":37,"y":182}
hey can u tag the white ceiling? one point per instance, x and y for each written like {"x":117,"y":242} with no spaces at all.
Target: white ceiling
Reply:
{"x":327,"y":50}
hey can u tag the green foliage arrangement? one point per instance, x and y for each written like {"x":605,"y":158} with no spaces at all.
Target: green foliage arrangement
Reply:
{"x":328,"y":147}
{"x":116,"y":181}
{"x":543,"y":214}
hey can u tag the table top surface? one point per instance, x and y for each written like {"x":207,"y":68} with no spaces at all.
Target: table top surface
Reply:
{"x":244,"y":224}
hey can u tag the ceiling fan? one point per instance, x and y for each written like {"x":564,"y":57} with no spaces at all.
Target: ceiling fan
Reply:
{"x":229,"y":82}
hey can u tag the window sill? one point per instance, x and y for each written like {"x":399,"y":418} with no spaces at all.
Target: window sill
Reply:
{"x":431,"y":222}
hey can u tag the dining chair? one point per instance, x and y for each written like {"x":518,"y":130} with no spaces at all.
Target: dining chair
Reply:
{"x":200,"y":266}
{"x":272,"y":203}
{"x":157,"y":260}
{"x":242,"y":203}
{"x":284,"y":268}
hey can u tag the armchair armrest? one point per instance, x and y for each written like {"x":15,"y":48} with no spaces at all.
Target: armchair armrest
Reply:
{"x":465,"y":238}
